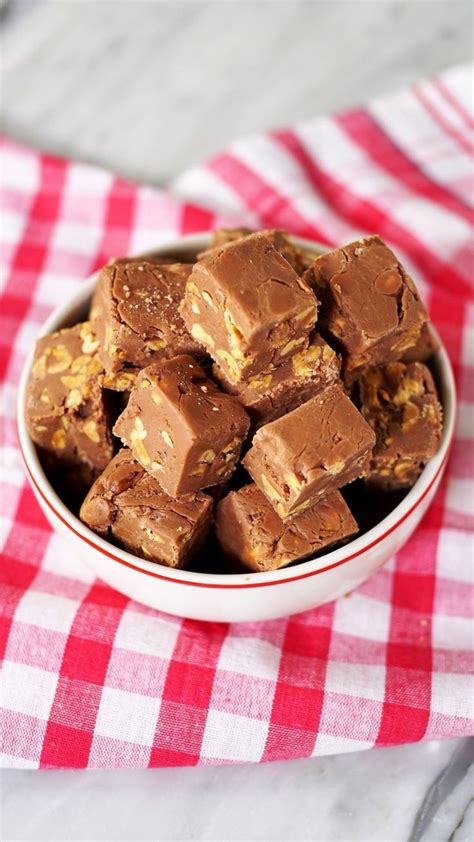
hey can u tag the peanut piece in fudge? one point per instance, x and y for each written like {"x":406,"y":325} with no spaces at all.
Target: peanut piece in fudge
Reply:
{"x":273,"y":393}
{"x":401,"y":405}
{"x":248,"y":307}
{"x":66,"y":411}
{"x":424,"y":348}
{"x":128,"y":505}
{"x":300,"y":259}
{"x":369,"y":303}
{"x":314,"y":450}
{"x":135,"y":313}
{"x":250,"y":531}
{"x":181,"y":427}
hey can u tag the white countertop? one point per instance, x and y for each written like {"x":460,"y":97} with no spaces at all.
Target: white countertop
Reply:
{"x":147,"y":89}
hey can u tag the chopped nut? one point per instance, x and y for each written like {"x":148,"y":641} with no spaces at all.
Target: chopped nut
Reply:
{"x":74,"y":399}
{"x":136,"y":437}
{"x":411,"y":414}
{"x":409,"y":389}
{"x":235,"y":335}
{"x":335,"y":467}
{"x":90,"y":343}
{"x":91,"y":431}
{"x":208,"y":456}
{"x":200,"y":334}
{"x":61,"y":359}
{"x":198,"y":470}
{"x":39,"y":367}
{"x":304,"y":362}
{"x":306,"y":312}
{"x":167,"y":438}
{"x":261,"y":381}
{"x":208,"y":299}
{"x":234,"y":370}
{"x":155,"y":344}
{"x":192,"y":288}
{"x":156,"y":397}
{"x":293,"y":481}
{"x":269,"y":489}
{"x":294,"y":343}
{"x":58,"y":440}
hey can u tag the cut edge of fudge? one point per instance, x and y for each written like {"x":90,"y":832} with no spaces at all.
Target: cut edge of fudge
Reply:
{"x":127,"y":504}
{"x":289,"y":461}
{"x":251,"y":533}
{"x":400,"y":402}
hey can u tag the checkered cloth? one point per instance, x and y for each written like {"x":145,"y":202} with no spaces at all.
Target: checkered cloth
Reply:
{"x":92,"y":679}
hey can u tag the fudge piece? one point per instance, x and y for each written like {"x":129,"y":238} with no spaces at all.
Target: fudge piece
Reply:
{"x":368,"y":303}
{"x":315,"y":449}
{"x":181,"y":427}
{"x":135,"y":313}
{"x":67,"y":413}
{"x":223,"y":236}
{"x":271,"y":394}
{"x":424,"y":348}
{"x":248,"y":307}
{"x":250,"y":531}
{"x":297,"y":257}
{"x":127,"y":504}
{"x":400,"y":403}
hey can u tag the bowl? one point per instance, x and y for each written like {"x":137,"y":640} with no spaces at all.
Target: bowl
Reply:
{"x":240,"y":597}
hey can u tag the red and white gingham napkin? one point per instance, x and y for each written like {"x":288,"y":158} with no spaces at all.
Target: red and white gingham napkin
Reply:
{"x":91,"y":679}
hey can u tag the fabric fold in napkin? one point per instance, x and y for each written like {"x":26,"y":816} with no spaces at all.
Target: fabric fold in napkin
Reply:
{"x":92,"y":679}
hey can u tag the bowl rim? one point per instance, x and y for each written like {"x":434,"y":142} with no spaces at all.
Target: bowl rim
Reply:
{"x":248,"y":579}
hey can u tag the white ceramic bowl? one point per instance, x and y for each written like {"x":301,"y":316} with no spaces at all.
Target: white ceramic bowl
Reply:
{"x":245,"y":596}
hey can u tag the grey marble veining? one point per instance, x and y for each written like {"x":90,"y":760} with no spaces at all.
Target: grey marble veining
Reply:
{"x":364,"y":797}
{"x":147,"y":89}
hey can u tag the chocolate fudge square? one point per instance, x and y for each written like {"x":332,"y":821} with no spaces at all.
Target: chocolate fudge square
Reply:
{"x":251,"y":533}
{"x":273,"y":393}
{"x":400,"y":403}
{"x":314,"y":450}
{"x":369,"y":303}
{"x":67,"y":414}
{"x":128,"y":505}
{"x":135,"y":313}
{"x":181,"y":427}
{"x":248,"y":307}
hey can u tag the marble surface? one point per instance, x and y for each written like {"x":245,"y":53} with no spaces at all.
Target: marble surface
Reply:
{"x":147,"y":89}
{"x":371,"y":796}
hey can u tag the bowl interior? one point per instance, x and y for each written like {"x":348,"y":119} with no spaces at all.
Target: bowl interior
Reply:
{"x":376,"y":513}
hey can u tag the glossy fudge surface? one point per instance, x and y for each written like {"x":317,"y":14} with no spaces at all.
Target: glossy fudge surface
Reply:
{"x":251,"y":533}
{"x":128,"y":505}
{"x":400,"y":403}
{"x":369,"y":303}
{"x":135,"y":313}
{"x":66,"y":412}
{"x":273,"y":393}
{"x":315,"y":449}
{"x":299,"y":258}
{"x":248,"y":307}
{"x":181,"y":427}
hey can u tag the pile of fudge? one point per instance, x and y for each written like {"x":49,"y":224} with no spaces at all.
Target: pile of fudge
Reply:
{"x":220,"y":405}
